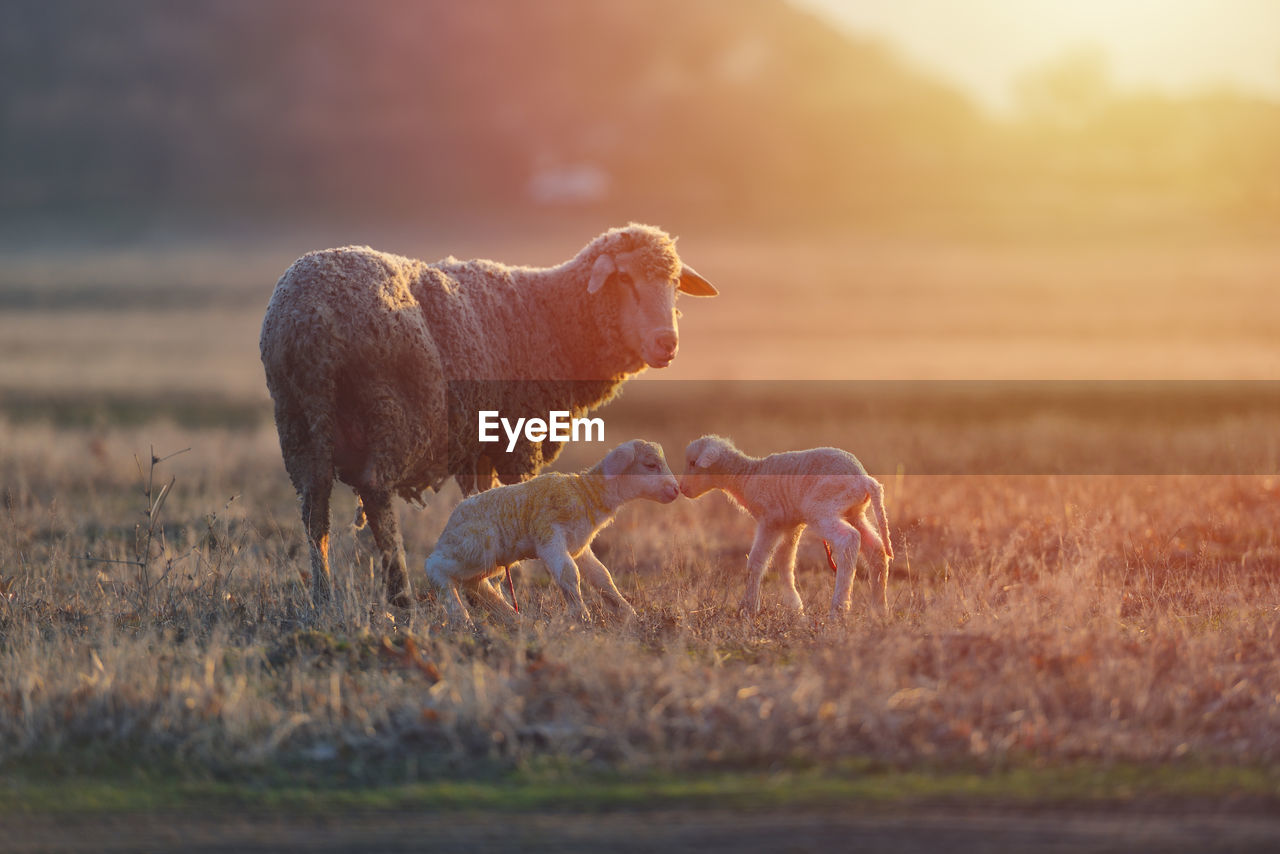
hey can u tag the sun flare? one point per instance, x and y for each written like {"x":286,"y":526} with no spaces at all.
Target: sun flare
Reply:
{"x":1175,"y":46}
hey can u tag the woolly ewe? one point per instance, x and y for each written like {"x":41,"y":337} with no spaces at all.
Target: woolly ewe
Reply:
{"x":824,"y":487}
{"x":378,"y":366}
{"x":553,"y":517}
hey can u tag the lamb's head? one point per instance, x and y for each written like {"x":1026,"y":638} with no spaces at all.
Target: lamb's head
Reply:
{"x":704,"y":461}
{"x":638,"y":271}
{"x":638,"y":469}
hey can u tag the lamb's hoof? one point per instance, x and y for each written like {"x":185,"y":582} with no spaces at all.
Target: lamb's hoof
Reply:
{"x":460,"y":623}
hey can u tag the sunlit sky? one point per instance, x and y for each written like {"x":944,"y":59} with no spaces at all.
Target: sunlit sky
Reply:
{"x":1172,"y":46}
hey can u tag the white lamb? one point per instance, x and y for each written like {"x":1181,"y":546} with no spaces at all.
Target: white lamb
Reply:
{"x":825,"y":487}
{"x":553,"y":517}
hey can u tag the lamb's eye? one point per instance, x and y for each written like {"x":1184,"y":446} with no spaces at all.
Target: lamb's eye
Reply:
{"x":652,"y":465}
{"x":625,"y":280}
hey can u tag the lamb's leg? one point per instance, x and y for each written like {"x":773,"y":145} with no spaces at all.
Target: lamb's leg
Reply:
{"x":565,"y":572}
{"x":877,"y":557}
{"x":790,"y":595}
{"x":443,"y":572}
{"x":315,"y":515}
{"x":598,"y":574}
{"x":845,"y":541}
{"x":491,"y":599}
{"x":386,"y":534}
{"x":768,"y":535}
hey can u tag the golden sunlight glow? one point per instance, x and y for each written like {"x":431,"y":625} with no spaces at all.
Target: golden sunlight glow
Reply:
{"x":1174,"y":46}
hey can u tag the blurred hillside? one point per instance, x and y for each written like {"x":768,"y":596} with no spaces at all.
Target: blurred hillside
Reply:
{"x":726,"y":110}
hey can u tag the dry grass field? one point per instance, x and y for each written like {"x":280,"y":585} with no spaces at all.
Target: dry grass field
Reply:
{"x":1096,"y":581}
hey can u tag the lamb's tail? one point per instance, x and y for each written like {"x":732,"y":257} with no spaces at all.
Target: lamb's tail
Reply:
{"x":877,"y":507}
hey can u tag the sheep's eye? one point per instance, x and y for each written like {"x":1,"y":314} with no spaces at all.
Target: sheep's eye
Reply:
{"x":626,"y":280}
{"x":679,"y":314}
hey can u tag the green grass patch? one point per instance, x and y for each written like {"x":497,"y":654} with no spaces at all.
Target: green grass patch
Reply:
{"x":848,"y":786}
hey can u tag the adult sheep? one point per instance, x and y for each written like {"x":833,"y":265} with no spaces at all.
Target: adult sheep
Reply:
{"x":378,"y":366}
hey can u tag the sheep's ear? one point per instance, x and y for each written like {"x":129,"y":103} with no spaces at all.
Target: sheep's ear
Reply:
{"x":617,"y":461}
{"x":693,"y":284}
{"x":600,"y":272}
{"x":708,"y":456}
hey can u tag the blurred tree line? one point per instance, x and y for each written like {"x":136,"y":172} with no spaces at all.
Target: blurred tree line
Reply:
{"x":719,"y":108}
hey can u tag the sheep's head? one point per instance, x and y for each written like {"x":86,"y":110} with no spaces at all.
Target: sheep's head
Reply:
{"x":639,"y":470}
{"x":638,"y":268}
{"x":702,"y":463}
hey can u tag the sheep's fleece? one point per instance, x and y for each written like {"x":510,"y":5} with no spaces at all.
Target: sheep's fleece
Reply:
{"x":378,"y":364}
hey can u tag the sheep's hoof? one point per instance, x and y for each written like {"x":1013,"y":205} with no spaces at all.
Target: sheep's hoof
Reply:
{"x":460,"y":622}
{"x":623,"y":612}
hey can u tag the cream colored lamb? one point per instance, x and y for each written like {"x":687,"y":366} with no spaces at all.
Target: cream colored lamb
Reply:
{"x":825,"y":487}
{"x":553,"y":517}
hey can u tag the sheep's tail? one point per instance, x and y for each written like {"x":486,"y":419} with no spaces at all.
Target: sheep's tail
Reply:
{"x":877,"y":507}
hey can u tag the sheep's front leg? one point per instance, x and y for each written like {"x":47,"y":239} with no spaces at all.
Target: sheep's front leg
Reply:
{"x":844,"y":540}
{"x":565,"y":572}
{"x":768,"y":535}
{"x":790,"y":595}
{"x":598,"y":574}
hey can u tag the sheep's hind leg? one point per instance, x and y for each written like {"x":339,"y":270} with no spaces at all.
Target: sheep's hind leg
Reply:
{"x":565,"y":572}
{"x":315,"y":515}
{"x":877,"y":556}
{"x":845,"y":541}
{"x":386,"y":534}
{"x":442,"y":572}
{"x":491,"y":599}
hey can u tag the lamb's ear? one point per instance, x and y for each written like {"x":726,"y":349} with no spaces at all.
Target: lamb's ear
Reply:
{"x":693,"y":284}
{"x":617,"y":461}
{"x":601,"y":270}
{"x":709,"y":455}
